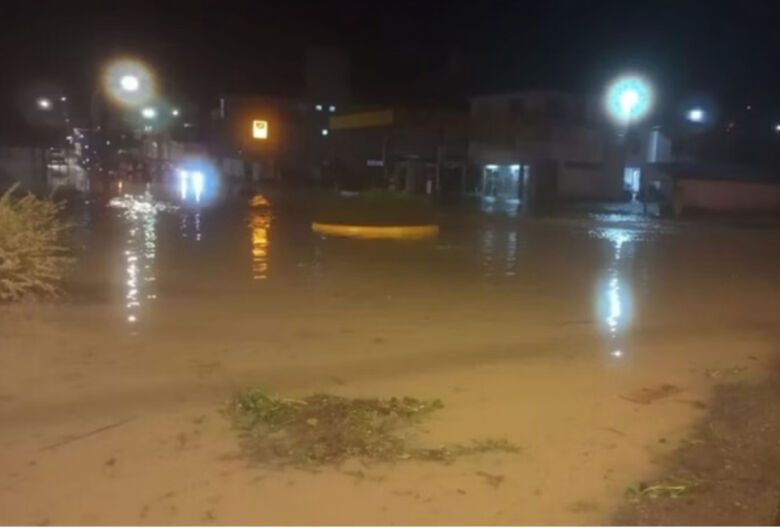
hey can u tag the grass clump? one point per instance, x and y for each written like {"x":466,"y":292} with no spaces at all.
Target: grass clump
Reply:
{"x":326,"y":429}
{"x":33,"y":260}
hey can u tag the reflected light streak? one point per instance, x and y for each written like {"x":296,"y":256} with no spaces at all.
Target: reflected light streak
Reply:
{"x":141,"y":214}
{"x":259,"y":200}
{"x":260,"y":224}
{"x":183,"y":177}
{"x":614,"y":297}
{"x":197,"y":185}
{"x":511,"y":253}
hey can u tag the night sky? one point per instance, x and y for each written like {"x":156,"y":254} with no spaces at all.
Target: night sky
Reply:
{"x":728,"y":51}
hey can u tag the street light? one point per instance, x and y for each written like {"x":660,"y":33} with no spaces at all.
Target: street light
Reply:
{"x":149,"y":113}
{"x":175,"y":112}
{"x":629,"y":98}
{"x":44,"y":103}
{"x":128,"y":82}
{"x":777,"y":128}
{"x":696,"y":115}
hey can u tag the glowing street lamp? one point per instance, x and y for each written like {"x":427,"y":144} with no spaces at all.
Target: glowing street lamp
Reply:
{"x":175,"y":112}
{"x":44,"y":103}
{"x":629,"y":99}
{"x":696,"y":115}
{"x":128,"y":82}
{"x":149,"y":113}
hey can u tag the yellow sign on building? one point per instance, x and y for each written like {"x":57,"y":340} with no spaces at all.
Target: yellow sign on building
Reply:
{"x":260,"y":129}
{"x":362,"y":119}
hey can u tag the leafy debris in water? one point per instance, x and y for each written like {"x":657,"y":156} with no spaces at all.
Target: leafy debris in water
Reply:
{"x":672,"y":488}
{"x":714,"y":373}
{"x":493,"y":480}
{"x":326,"y":429}
{"x":647,"y":395}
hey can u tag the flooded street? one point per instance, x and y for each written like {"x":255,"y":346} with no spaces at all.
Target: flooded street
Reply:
{"x":542,"y":331}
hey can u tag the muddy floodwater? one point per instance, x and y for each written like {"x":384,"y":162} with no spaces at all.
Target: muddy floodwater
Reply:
{"x":592,"y":342}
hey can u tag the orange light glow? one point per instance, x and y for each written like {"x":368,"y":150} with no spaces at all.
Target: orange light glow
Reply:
{"x":259,"y":129}
{"x":260,"y":224}
{"x":259,"y":200}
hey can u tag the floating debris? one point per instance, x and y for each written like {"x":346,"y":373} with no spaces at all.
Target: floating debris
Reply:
{"x":645,"y":396}
{"x":326,"y":429}
{"x":715,"y":373}
{"x":491,"y":479}
{"x":669,"y":489}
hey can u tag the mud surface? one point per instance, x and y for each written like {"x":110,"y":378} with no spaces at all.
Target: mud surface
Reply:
{"x":734,"y":453}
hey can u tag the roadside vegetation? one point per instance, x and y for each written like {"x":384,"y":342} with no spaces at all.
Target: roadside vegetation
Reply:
{"x":33,"y":257}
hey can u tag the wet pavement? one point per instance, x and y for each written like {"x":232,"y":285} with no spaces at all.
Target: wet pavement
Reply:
{"x":538,"y":330}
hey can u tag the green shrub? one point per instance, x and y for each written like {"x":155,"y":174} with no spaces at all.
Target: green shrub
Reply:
{"x":33,"y":259}
{"x":376,"y":208}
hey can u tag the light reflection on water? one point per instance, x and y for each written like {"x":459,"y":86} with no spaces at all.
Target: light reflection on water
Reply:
{"x":498,"y":250}
{"x":259,"y":226}
{"x":515,"y":253}
{"x":140,"y":252}
{"x":189,"y":226}
{"x":614,"y":305}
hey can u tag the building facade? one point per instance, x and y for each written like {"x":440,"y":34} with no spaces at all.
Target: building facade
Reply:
{"x":542,"y":147}
{"x":415,"y":149}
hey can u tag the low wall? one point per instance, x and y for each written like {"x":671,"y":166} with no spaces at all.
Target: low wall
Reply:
{"x":725,"y":196}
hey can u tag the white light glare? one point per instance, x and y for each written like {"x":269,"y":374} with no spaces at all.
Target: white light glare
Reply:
{"x":149,"y":113}
{"x":696,"y":115}
{"x":129,"y":83}
{"x":628,"y":100}
{"x":324,"y":132}
{"x":197,"y":184}
{"x":44,"y":103}
{"x":183,"y":176}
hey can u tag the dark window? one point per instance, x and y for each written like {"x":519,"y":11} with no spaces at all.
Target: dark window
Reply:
{"x":590,"y":166}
